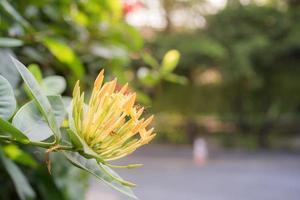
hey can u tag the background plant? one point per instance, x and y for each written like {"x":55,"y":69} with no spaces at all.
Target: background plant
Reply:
{"x":243,"y":67}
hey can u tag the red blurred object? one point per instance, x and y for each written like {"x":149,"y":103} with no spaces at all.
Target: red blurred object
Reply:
{"x":130,"y":6}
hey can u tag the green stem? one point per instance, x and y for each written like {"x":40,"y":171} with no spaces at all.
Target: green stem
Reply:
{"x":4,"y":137}
{"x":67,"y":148}
{"x":131,"y":166}
{"x":38,"y":144}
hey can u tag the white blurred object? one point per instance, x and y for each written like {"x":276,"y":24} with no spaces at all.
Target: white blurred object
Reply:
{"x":200,"y":152}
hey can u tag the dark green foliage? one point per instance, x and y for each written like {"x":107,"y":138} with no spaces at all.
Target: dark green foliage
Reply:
{"x":256,"y":49}
{"x":73,"y":38}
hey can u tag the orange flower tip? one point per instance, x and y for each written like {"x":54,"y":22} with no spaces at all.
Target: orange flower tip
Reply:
{"x":149,"y":120}
{"x":150,"y":131}
{"x":124,"y":88}
{"x":137,"y":127}
{"x":152,"y":136}
{"x":99,"y":79}
{"x":115,"y":79}
{"x":151,"y":117}
{"x":146,"y":141}
{"x":113,"y":83}
{"x":140,"y":112}
{"x":142,"y":120}
{"x":133,"y":97}
{"x":129,"y":104}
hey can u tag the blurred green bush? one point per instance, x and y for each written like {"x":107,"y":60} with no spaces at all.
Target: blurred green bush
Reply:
{"x":244,"y":67}
{"x":74,"y":38}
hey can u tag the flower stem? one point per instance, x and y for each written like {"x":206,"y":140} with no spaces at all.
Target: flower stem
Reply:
{"x":37,"y":144}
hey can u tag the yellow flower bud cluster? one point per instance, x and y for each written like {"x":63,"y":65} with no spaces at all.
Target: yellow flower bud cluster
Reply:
{"x":110,"y":124}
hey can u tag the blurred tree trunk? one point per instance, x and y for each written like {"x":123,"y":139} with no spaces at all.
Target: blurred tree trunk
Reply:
{"x":263,"y":135}
{"x":191,"y":129}
{"x":168,"y":6}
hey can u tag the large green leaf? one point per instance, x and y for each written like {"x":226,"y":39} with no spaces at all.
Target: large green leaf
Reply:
{"x":66,"y":55}
{"x":31,"y":122}
{"x":91,"y":166}
{"x":54,"y":85}
{"x":39,"y":97}
{"x":10,"y":42}
{"x":23,"y":187}
{"x":7,"y":99}
{"x":6,"y":69}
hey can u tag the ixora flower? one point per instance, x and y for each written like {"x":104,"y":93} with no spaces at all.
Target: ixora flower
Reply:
{"x":111,"y":123}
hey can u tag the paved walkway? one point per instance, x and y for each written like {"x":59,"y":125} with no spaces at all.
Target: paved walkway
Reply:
{"x":169,"y":174}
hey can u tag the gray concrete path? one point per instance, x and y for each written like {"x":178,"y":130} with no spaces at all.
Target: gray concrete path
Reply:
{"x":170,"y":174}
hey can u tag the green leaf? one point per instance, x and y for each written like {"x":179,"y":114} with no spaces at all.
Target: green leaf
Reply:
{"x":19,"y":156}
{"x":148,"y":77}
{"x":91,"y":166}
{"x":170,"y":61}
{"x":79,"y":143}
{"x":150,"y":60}
{"x":8,"y":102}
{"x":176,"y":78}
{"x":54,"y":85}
{"x":39,"y":97}
{"x":6,"y":69}
{"x":31,"y":122}
{"x":36,"y":72}
{"x":12,"y":11}
{"x":75,"y":139}
{"x":131,"y":37}
{"x":23,"y":187}
{"x":115,"y":9}
{"x":115,"y":176}
{"x":65,"y":55}
{"x":16,"y":134}
{"x":10,"y":42}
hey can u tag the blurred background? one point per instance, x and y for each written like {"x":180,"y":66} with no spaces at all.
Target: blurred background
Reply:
{"x":221,"y":76}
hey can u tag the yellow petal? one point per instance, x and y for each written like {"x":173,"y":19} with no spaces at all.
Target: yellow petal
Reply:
{"x":124,"y":89}
{"x":129,"y":104}
{"x":99,"y":80}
